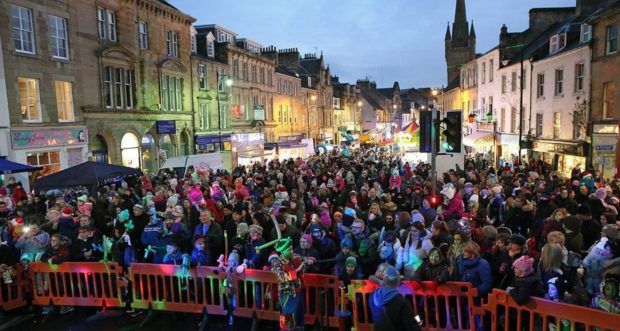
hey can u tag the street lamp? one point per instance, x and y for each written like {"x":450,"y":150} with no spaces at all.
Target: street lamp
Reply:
{"x":359,"y":107}
{"x":228,"y":82}
{"x":313,"y":98}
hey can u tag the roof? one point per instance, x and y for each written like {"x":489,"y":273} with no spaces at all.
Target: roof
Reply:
{"x":538,"y":48}
{"x":371,"y":101}
{"x":286,"y":71}
{"x":167,"y":4}
{"x":603,"y":10}
{"x":387,"y":92}
{"x":311,"y":66}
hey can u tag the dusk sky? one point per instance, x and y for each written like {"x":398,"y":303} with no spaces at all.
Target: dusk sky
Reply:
{"x":387,"y":40}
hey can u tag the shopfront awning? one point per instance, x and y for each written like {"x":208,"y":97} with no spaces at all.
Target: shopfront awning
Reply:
{"x":478,"y":138}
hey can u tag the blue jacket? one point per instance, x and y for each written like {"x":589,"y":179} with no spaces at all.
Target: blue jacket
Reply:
{"x":176,"y":259}
{"x":200,"y":258}
{"x":476,"y":271}
{"x":152,"y":236}
{"x":68,"y":227}
{"x":256,"y":260}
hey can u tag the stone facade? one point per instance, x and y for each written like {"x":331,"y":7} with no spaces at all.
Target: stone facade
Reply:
{"x":32,"y":69}
{"x":605,"y":94}
{"x":155,"y":73}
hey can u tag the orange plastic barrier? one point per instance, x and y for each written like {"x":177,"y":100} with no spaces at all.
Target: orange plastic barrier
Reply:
{"x":13,"y":295}
{"x":92,"y":284}
{"x":257,"y":293}
{"x":447,"y":307}
{"x":174,"y":288}
{"x":541,"y":314}
{"x":322,"y":294}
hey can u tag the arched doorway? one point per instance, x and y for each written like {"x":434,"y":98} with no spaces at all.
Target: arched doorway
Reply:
{"x":184,"y":146}
{"x":99,"y":149}
{"x":130,"y":150}
{"x":149,"y":153}
{"x":166,"y":148}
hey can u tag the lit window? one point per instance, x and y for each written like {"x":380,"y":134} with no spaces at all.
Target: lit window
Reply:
{"x":64,"y":101}
{"x":609,"y":90}
{"x":30,"y":105}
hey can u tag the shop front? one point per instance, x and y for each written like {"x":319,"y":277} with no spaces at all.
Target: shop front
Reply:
{"x":247,"y":148}
{"x":510,"y":147}
{"x":289,"y":147}
{"x":562,"y":156}
{"x":326,"y":136}
{"x":53,"y":149}
{"x":605,"y":142}
{"x":209,"y":143}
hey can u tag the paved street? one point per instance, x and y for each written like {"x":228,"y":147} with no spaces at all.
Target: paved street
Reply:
{"x":78,"y":320}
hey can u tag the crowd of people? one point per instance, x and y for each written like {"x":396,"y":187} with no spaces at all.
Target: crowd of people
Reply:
{"x":523,"y":228}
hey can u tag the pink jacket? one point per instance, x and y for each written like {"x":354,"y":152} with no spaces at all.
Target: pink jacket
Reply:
{"x":395,"y":182}
{"x":455,"y":206}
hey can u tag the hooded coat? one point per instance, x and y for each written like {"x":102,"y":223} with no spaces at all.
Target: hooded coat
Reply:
{"x":390,"y":311}
{"x":476,"y":271}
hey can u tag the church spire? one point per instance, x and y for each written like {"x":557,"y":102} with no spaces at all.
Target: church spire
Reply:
{"x":472,"y":32}
{"x":448,"y":36}
{"x":460,"y":28}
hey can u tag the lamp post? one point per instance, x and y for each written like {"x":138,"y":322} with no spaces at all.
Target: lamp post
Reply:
{"x":489,"y":117}
{"x":359,"y":107}
{"x":434,"y":137}
{"x":313,"y":98}
{"x":228,"y":82}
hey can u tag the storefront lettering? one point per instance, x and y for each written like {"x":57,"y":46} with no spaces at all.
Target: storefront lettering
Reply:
{"x":48,"y":137}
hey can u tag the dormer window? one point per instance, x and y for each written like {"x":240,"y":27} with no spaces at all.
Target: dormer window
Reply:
{"x":557,"y":43}
{"x":210,"y":45}
{"x":586,"y":32}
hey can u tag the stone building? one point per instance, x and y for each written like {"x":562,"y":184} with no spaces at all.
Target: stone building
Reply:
{"x":347,"y":106}
{"x":601,"y":30}
{"x":210,"y":102}
{"x":136,"y":72}
{"x":43,"y":72}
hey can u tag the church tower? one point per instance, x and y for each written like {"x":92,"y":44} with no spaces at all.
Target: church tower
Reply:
{"x":460,"y":43}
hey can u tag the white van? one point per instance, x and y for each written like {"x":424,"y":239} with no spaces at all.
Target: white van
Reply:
{"x":181,"y":164}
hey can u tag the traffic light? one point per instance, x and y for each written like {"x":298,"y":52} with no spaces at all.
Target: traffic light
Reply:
{"x":427,"y":130}
{"x":452,"y":134}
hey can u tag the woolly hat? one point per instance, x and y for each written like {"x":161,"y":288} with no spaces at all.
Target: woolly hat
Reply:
{"x":572,"y":224}
{"x":351,"y":261}
{"x":66,"y":212}
{"x":3,"y":191}
{"x":273,"y":255}
{"x":325,"y":219}
{"x":168,"y":215}
{"x":346,"y":243}
{"x":242,"y":229}
{"x":600,"y":193}
{"x":307,"y":238}
{"x":138,"y":206}
{"x":416,"y":217}
{"x":525,"y":264}
{"x":448,"y":191}
{"x":256,"y":228}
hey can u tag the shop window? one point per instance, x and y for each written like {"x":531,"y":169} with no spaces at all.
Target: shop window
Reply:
{"x":149,"y":153}
{"x":50,"y":161}
{"x":166,"y":148}
{"x":130,"y":151}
